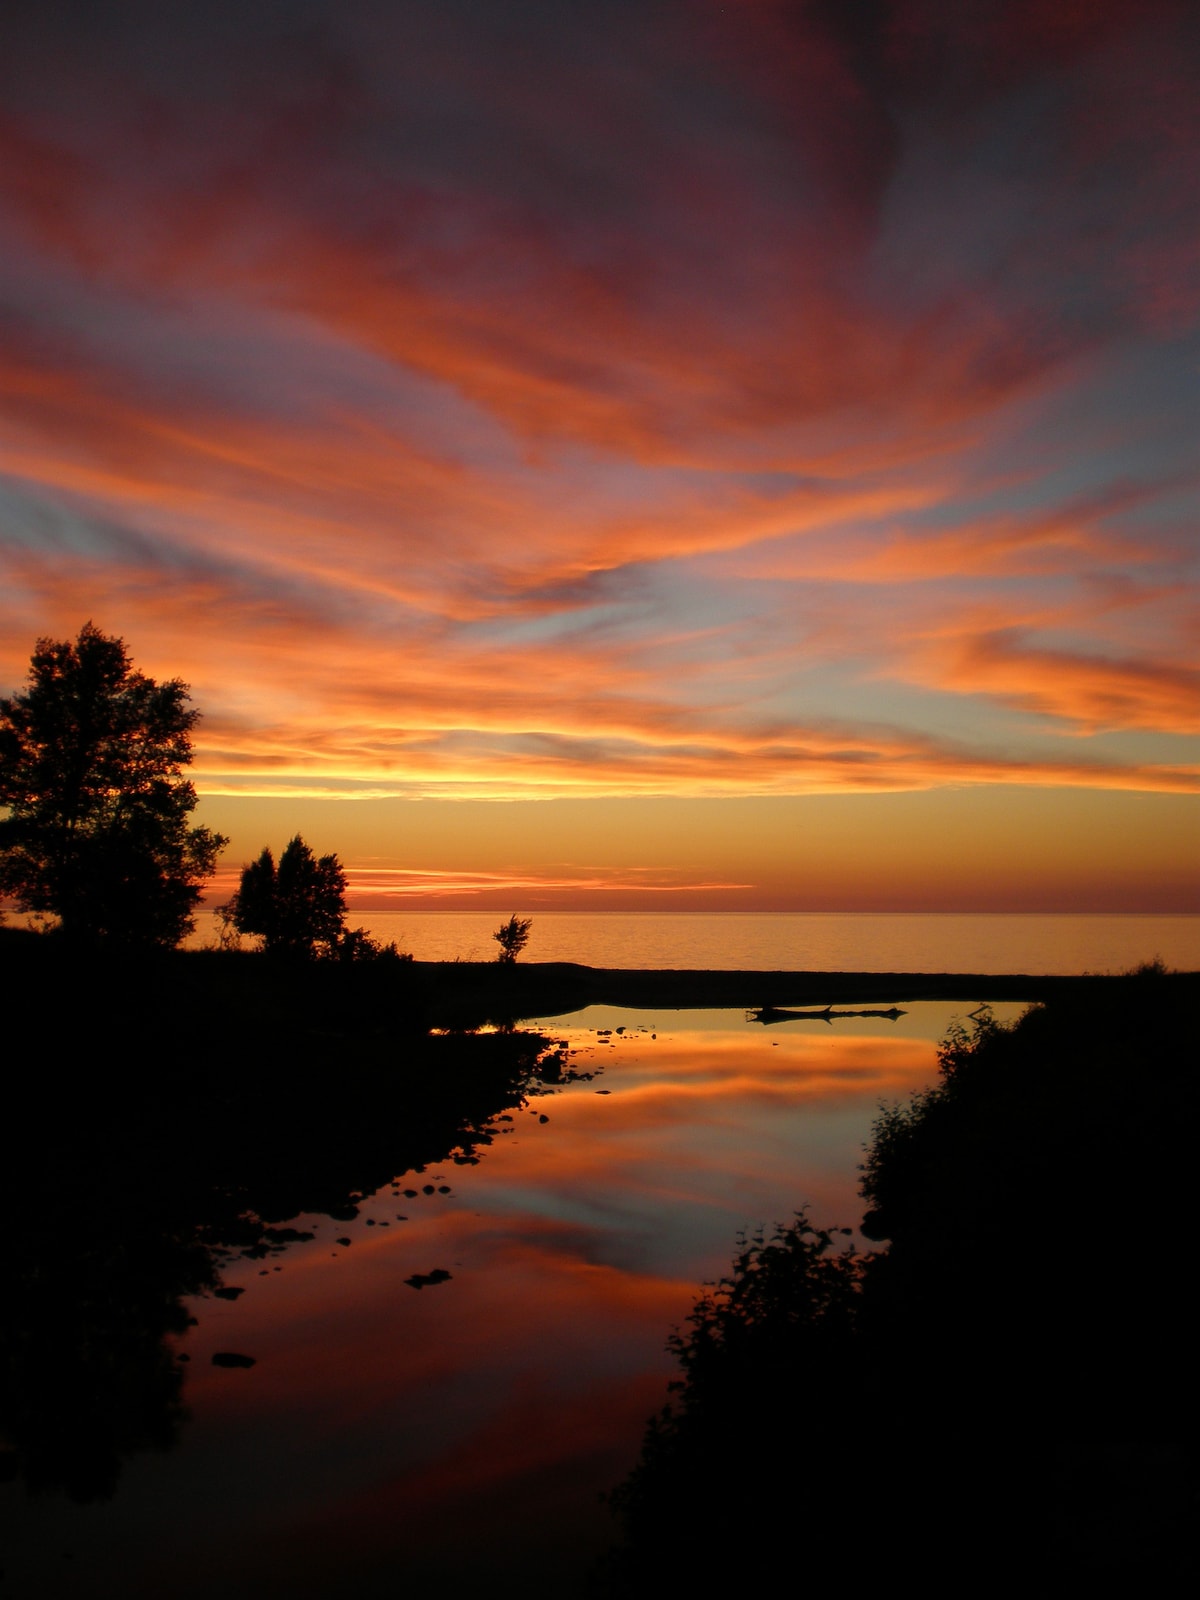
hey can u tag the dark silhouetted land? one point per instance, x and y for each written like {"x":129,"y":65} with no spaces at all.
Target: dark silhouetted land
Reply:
{"x":456,"y":989}
{"x":169,"y":1112}
{"x":1006,"y":1392}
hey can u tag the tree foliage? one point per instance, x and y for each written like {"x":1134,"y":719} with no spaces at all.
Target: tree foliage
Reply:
{"x":298,"y":906}
{"x":513,"y":937}
{"x":92,"y":754}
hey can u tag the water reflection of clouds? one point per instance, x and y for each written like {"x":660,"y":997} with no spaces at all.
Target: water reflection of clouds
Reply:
{"x":729,"y":1067}
{"x":699,"y":1134}
{"x":518,"y":1494}
{"x":523,"y":1382}
{"x":395,"y":1419}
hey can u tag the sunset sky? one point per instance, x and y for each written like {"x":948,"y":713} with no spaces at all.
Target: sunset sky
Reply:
{"x":627,"y":453}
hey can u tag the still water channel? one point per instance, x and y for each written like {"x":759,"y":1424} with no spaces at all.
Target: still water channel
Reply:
{"x":459,"y":1435}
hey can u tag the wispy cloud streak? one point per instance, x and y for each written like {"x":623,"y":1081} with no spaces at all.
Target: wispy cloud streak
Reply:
{"x":707,"y":401}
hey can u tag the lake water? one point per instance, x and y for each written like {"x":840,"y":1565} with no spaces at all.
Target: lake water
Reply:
{"x":806,"y":941}
{"x":459,"y":1436}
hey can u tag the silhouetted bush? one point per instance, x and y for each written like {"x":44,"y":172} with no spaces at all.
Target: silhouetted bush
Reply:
{"x":356,"y":944}
{"x":513,"y":937}
{"x":767,"y":1356}
{"x":1009,"y":1387}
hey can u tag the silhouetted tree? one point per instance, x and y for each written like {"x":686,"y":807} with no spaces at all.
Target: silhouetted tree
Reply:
{"x":91,"y":759}
{"x":298,"y":907}
{"x":513,"y":937}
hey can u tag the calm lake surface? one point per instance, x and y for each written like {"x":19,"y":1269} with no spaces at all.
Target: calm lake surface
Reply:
{"x":459,"y":1436}
{"x":806,"y":941}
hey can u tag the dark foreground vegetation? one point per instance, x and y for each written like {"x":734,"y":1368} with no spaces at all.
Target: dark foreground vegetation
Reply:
{"x":170,"y":1111}
{"x":1006,"y":1394}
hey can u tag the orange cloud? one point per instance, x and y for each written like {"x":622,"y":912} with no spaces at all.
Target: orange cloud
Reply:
{"x":431,"y":713}
{"x":729,"y":421}
{"x":1059,"y":540}
{"x":1092,"y":691}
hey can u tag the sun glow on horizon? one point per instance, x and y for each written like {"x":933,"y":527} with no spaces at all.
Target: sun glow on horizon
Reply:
{"x":752,"y":418}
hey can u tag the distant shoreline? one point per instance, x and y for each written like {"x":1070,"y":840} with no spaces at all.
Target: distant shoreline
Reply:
{"x":543,"y":988}
{"x":455,"y":994}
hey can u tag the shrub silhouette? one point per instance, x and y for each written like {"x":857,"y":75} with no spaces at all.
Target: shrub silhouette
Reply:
{"x":1014,"y":1374}
{"x":513,"y":937}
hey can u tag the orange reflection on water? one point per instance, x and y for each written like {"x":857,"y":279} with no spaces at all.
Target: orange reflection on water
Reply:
{"x":455,"y":1432}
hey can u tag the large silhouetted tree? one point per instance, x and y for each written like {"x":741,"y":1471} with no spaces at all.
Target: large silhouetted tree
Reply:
{"x":298,"y":906}
{"x":91,"y":772}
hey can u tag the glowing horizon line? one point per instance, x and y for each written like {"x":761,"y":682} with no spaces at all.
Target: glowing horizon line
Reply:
{"x":440,"y":883}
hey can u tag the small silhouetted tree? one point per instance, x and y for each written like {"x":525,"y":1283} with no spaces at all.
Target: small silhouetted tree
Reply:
{"x":513,"y":937}
{"x":92,"y":754}
{"x":297,"y":906}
